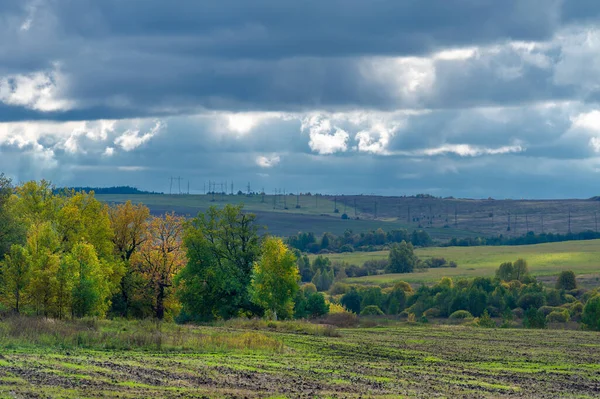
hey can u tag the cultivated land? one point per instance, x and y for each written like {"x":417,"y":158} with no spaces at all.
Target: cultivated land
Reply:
{"x":316,"y":213}
{"x":486,"y":217}
{"x":220,"y":362}
{"x":441,"y":218}
{"x":582,"y":257}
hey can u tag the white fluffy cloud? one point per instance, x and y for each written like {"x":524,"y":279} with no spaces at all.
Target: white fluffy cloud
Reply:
{"x":325,"y":138}
{"x":41,"y":91}
{"x":267,"y":161}
{"x":133,"y":138}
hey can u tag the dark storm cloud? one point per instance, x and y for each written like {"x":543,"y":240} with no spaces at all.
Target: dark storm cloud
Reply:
{"x":138,"y":58}
{"x":464,"y":97}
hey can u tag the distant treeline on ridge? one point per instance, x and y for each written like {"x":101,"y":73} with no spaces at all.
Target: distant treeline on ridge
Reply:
{"x":108,"y":190}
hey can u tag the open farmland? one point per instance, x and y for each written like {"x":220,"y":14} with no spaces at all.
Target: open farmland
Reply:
{"x":400,"y":360}
{"x":543,"y":259}
{"x":316,"y":213}
{"x":487,"y":217}
{"x":441,"y":218}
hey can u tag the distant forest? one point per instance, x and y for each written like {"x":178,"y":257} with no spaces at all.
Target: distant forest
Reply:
{"x":108,"y":190}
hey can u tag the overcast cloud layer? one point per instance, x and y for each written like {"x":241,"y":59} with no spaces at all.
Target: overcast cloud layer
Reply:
{"x":470,"y":98}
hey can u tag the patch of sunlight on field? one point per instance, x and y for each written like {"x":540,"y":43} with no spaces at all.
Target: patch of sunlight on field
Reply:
{"x":543,"y":259}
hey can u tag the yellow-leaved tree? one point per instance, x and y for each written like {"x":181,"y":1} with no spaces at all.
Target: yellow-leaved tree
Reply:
{"x":129,"y":226}
{"x":159,"y":258}
{"x":275,"y":278}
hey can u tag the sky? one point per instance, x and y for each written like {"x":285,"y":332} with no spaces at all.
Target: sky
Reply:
{"x":463,"y":98}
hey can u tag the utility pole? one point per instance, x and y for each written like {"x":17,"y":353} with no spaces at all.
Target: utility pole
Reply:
{"x":188,"y":187}
{"x":248,"y":189}
{"x":284,"y":200}
{"x":232,"y":187}
{"x":298,"y":200}
{"x":262,"y":195}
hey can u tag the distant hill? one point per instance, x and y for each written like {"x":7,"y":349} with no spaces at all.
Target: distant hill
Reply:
{"x":109,"y":190}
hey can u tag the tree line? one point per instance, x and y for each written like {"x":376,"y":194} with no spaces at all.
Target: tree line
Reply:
{"x":512,"y":294}
{"x":65,"y":254}
{"x":527,"y":239}
{"x":349,"y":242}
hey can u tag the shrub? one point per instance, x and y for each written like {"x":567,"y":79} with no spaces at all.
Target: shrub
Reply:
{"x":339,"y":288}
{"x":341,"y":320}
{"x":575,"y":309}
{"x":532,"y":300}
{"x":461,"y":315}
{"x":435,"y":263}
{"x":432,"y":312}
{"x":519,"y":313}
{"x":558,"y":316}
{"x":404,"y":286}
{"x":351,"y":301}
{"x":534,"y":319}
{"x":566,"y":281}
{"x":346,"y":247}
{"x":546,"y":310}
{"x":591,"y":313}
{"x":371,"y":310}
{"x":335,"y":307}
{"x":486,"y":321}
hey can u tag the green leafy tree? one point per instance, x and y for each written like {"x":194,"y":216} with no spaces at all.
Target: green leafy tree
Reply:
{"x":15,"y":271}
{"x":591,"y":313}
{"x":90,"y":281}
{"x":11,"y":230}
{"x":520,"y":270}
{"x":402,"y":258}
{"x":222,"y":246}
{"x":505,"y":271}
{"x":534,"y":319}
{"x":275,"y":278}
{"x":351,"y":301}
{"x":316,"y":305}
{"x":566,"y":280}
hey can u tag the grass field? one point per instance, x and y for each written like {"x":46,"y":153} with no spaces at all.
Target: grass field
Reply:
{"x":316,"y":214}
{"x":400,"y":360}
{"x":583,"y":257}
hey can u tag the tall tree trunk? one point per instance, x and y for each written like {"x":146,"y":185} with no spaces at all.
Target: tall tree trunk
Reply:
{"x":160,"y":302}
{"x":17,"y":297}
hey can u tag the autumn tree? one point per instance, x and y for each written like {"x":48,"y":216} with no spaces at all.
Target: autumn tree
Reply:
{"x":159,"y":258}
{"x":43,"y":246}
{"x":15,"y":276}
{"x":275,"y":278}
{"x":128,"y":223}
{"x":222,"y":246}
